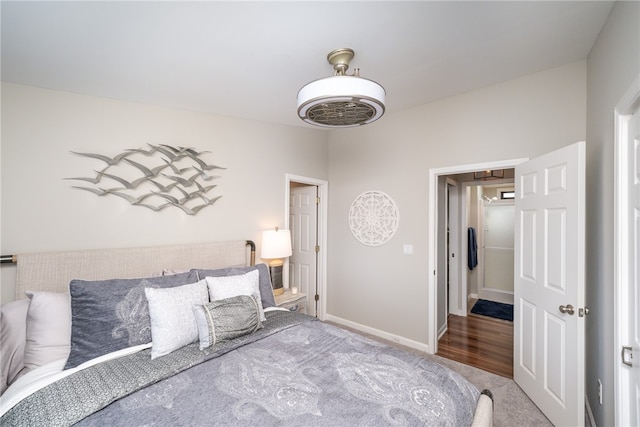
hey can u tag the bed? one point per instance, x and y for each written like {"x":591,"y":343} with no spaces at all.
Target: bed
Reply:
{"x":106,"y":337}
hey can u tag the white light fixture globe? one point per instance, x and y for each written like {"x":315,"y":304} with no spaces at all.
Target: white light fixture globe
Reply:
{"x":341,"y":100}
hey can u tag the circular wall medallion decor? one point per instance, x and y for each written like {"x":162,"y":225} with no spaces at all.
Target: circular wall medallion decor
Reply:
{"x":373,"y":218}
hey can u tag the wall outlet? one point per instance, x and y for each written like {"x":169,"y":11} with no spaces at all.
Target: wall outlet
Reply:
{"x":407,"y":249}
{"x":599,"y":391}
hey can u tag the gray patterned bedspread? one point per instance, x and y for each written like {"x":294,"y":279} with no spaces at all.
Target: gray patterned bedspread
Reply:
{"x":296,"y":372}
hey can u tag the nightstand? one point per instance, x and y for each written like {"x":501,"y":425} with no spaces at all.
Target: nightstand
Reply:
{"x":292,"y":302}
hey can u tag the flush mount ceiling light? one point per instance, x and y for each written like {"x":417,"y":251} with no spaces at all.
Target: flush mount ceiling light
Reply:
{"x":341,"y":100}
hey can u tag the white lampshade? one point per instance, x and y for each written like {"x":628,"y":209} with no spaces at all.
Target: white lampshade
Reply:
{"x":276,"y":244}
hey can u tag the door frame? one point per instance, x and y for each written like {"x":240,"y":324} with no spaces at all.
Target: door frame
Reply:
{"x":432,"y":294}
{"x":321,"y":268}
{"x":621,"y":232}
{"x":452,"y":230}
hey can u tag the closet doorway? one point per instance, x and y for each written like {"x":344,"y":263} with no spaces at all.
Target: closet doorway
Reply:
{"x":306,"y":218}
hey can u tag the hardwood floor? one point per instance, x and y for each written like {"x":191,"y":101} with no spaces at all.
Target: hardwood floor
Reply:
{"x":479,"y":341}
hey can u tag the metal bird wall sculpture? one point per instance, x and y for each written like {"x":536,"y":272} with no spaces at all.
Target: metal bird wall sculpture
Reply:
{"x":161,"y":176}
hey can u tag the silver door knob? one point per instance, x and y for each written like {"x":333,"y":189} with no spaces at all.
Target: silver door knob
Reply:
{"x":567,"y":309}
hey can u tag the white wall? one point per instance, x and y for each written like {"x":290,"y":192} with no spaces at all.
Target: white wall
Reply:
{"x":379,"y":286}
{"x":40,"y":212}
{"x":613,"y":63}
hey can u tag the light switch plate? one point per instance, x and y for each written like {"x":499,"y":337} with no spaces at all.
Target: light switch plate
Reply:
{"x":407,"y":249}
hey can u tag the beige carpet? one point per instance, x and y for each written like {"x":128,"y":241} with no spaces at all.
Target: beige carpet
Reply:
{"x":512,"y":407}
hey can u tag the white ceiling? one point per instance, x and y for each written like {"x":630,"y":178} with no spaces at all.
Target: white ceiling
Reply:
{"x":249,"y":59}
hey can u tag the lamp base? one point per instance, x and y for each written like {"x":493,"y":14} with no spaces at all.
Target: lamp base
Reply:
{"x":275,"y":271}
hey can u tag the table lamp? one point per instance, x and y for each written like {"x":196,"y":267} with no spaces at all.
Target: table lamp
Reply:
{"x":276,"y":245}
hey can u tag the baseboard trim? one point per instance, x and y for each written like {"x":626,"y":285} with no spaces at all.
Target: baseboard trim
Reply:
{"x":497,"y":295}
{"x":587,"y":407}
{"x":378,"y":333}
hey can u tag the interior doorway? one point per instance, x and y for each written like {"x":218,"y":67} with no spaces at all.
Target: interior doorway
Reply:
{"x":437,"y":177}
{"x":306,"y":218}
{"x":479,"y":213}
{"x":476,"y":243}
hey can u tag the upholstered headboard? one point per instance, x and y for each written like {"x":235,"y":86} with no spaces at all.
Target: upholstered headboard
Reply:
{"x":52,"y":271}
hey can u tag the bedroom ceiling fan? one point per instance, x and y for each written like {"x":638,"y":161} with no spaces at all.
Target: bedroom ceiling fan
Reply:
{"x":341,"y":100}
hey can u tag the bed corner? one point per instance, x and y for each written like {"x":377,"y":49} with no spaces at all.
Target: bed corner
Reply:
{"x":483,"y":416}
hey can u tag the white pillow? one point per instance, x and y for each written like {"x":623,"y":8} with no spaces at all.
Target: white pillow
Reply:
{"x":13,"y":334}
{"x":173,"y":324}
{"x":230,"y":286}
{"x":48,"y":328}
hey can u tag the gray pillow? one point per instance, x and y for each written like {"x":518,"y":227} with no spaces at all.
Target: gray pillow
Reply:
{"x":109,"y":315}
{"x":266,"y":291}
{"x":222,"y":287}
{"x":226,"y":319}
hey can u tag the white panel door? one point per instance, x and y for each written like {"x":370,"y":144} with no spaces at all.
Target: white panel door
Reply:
{"x":629,"y":298}
{"x":303,"y":223}
{"x":549,"y":283}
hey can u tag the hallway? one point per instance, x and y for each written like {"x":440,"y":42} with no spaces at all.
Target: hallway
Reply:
{"x":479,"y":341}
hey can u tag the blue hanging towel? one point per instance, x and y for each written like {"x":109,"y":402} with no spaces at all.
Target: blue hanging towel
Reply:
{"x":472,"y":250}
